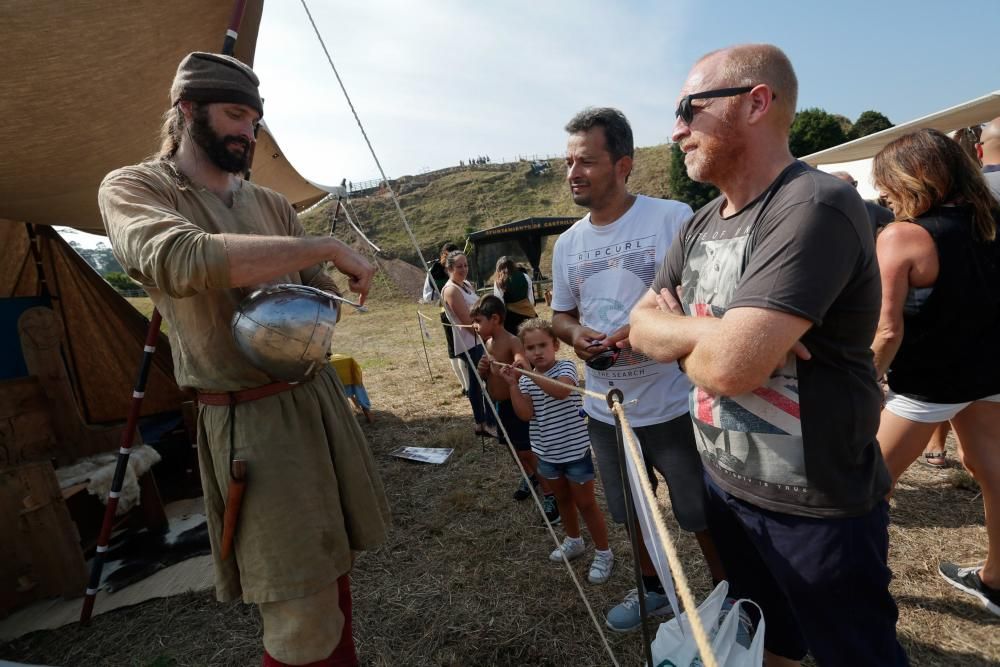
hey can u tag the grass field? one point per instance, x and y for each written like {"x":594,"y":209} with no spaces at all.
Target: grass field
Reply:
{"x":464,"y":578}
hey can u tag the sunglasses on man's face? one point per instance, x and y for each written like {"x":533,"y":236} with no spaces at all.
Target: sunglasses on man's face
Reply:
{"x":686,"y":112}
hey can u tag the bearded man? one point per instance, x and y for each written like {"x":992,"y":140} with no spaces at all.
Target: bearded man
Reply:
{"x":198,"y":238}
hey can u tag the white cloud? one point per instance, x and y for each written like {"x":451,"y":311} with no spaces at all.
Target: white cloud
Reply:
{"x":439,"y":81}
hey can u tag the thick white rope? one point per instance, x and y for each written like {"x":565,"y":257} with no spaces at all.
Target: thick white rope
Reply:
{"x":690,"y":605}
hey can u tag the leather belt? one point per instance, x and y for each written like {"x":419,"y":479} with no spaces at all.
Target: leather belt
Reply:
{"x":245,"y":395}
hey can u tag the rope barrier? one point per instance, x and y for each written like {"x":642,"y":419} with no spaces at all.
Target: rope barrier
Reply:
{"x":474,"y":376}
{"x":536,"y":376}
{"x":698,"y":630}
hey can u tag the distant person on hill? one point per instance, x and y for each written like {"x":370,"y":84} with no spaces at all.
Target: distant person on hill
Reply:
{"x":879,"y":215}
{"x":988,"y":150}
{"x":437,"y":278}
{"x":199,"y":238}
{"x":937,"y":335}
{"x":513,"y":287}
{"x":458,"y":297}
{"x":488,"y":316}
{"x":601,"y":267}
{"x":559,"y":440}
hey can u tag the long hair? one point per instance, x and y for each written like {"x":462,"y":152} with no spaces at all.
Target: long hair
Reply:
{"x":925,"y":169}
{"x":171,"y":132}
{"x":501,"y":275}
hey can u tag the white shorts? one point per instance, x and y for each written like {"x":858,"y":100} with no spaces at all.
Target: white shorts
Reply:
{"x":927,"y":413}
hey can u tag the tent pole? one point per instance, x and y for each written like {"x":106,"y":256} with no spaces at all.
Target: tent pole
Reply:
{"x":125,"y":448}
{"x":229,"y":43}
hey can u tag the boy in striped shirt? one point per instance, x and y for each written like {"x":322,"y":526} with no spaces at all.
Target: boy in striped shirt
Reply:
{"x":559,"y":439}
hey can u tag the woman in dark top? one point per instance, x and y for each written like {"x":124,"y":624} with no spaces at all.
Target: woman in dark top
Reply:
{"x":938,"y":338}
{"x":514,"y":287}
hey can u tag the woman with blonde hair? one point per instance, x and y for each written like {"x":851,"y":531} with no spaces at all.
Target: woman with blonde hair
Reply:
{"x":937,"y":335}
{"x":514,"y":287}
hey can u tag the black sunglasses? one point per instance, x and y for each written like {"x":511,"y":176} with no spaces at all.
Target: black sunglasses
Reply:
{"x":604,"y":360}
{"x":686,"y":112}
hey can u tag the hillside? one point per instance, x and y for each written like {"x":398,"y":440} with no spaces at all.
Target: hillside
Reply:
{"x":448,"y":205}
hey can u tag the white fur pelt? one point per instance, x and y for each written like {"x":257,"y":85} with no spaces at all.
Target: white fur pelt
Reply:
{"x":99,"y":470}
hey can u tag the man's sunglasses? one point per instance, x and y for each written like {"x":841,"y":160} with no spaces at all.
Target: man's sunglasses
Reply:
{"x":686,"y":112}
{"x":604,"y":360}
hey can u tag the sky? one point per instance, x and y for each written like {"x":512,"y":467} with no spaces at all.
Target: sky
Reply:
{"x":439,"y":81}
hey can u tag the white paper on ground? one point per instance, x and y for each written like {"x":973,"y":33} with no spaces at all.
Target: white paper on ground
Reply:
{"x":436,"y":455}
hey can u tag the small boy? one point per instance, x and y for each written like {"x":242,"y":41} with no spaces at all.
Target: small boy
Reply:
{"x":488,"y":317}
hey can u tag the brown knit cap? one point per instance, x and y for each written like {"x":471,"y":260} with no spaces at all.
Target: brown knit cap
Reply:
{"x":212,"y":77}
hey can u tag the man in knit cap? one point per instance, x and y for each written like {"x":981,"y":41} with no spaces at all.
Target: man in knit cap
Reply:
{"x":199,"y":238}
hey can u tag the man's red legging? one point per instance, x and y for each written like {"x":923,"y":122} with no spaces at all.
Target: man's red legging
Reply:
{"x":342,"y":656}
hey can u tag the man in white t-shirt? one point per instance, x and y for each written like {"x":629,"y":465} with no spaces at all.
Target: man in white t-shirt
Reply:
{"x":601,"y":267}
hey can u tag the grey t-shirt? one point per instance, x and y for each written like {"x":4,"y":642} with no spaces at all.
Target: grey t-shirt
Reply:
{"x":804,"y":442}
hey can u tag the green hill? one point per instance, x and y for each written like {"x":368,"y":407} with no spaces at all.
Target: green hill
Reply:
{"x":449,"y":204}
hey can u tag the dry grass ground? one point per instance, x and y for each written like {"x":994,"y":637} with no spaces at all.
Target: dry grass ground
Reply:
{"x":464,"y":578}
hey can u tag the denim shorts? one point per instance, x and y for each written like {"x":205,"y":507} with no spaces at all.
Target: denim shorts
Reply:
{"x":579,"y":471}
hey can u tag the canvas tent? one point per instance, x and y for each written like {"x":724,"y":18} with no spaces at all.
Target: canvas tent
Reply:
{"x":84,"y":92}
{"x":518,"y":238}
{"x":855,"y":156}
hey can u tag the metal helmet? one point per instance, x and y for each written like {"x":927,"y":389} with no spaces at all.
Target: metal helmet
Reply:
{"x":285,"y":330}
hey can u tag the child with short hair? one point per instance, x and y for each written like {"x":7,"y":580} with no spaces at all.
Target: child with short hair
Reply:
{"x":488,"y":317}
{"x":560,"y":441}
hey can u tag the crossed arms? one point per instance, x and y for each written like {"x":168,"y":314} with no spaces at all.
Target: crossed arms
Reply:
{"x":725,"y":356}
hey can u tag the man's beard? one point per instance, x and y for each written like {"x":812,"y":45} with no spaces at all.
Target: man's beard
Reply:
{"x":216,"y":147}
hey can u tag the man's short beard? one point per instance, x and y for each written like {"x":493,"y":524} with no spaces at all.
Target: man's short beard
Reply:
{"x":216,"y":147}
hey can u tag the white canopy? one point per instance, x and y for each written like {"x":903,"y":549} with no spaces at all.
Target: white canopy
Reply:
{"x":855,"y":156}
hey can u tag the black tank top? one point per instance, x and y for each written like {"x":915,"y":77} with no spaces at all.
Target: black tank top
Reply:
{"x":951,"y":333}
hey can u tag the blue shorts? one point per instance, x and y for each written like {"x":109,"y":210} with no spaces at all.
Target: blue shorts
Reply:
{"x":579,"y":471}
{"x":823,"y":583}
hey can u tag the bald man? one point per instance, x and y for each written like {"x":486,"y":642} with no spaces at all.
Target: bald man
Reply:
{"x":784,"y":258}
{"x":988,"y":150}
{"x":879,"y":216}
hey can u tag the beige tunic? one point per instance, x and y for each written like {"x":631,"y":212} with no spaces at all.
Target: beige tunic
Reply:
{"x":313,"y":493}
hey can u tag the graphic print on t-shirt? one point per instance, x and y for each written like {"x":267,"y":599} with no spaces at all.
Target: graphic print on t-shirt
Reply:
{"x":756,"y":436}
{"x":607,"y":281}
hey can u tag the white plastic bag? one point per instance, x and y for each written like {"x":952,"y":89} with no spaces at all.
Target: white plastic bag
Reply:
{"x":674,"y":645}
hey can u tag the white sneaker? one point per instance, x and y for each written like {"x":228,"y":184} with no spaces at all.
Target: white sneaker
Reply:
{"x":573,"y":548}
{"x":600,"y":568}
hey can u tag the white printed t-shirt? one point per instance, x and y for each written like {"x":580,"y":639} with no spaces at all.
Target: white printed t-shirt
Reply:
{"x":558,"y":432}
{"x":602,"y":272}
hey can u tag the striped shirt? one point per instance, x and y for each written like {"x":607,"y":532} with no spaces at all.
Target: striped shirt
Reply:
{"x":558,"y":432}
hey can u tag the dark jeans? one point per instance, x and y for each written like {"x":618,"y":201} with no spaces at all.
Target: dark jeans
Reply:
{"x":823,"y":583}
{"x":480,"y":410}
